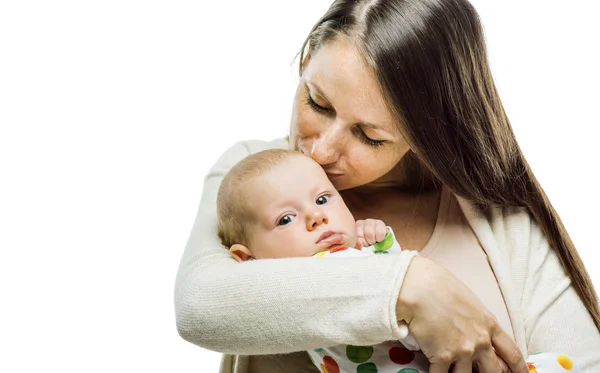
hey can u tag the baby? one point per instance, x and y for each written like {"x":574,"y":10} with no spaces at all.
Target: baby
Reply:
{"x":279,"y":204}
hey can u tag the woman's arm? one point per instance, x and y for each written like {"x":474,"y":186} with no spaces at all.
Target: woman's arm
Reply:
{"x":554,"y":316}
{"x":282,"y":305}
{"x":279,"y":305}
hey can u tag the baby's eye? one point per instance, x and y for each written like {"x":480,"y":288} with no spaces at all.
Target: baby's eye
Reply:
{"x":322,"y":200}
{"x":286,"y":220}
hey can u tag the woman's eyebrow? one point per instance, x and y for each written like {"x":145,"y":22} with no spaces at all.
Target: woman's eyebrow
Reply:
{"x":372,"y":126}
{"x":315,"y":87}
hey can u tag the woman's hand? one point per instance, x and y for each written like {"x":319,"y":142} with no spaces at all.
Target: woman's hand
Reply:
{"x":451,"y":324}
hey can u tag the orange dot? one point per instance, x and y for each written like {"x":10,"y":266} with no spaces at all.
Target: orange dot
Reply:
{"x":531,"y":368}
{"x":565,"y":362}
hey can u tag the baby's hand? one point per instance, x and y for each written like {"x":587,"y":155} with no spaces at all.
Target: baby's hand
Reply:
{"x":369,"y":231}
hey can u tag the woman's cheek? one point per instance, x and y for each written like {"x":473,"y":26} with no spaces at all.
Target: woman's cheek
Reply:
{"x":306,"y":130}
{"x":306,"y":123}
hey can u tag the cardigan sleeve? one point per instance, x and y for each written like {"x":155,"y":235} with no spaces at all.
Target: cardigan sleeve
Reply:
{"x":279,"y":305}
{"x":555,"y":318}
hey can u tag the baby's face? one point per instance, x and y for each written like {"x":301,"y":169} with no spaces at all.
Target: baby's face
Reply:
{"x":298,"y":212}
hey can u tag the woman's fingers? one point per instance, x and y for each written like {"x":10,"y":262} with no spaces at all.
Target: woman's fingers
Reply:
{"x":439,"y":367}
{"x":508,"y":350}
{"x":464,"y":366}
{"x":503,"y":366}
{"x":488,"y":362}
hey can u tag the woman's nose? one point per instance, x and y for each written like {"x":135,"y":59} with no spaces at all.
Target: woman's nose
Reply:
{"x":315,"y":219}
{"x":326,"y":148}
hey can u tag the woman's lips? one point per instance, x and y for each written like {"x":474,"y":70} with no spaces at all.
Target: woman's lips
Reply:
{"x":330,"y":238}
{"x":331,"y":175}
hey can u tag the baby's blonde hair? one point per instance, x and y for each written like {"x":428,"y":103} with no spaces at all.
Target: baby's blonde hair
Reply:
{"x":233,"y":211}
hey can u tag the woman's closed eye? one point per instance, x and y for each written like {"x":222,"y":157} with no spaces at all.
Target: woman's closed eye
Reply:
{"x":362,"y":136}
{"x":316,"y":107}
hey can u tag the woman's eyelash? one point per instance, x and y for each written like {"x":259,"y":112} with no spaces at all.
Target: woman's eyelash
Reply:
{"x":316,"y":107}
{"x":367,"y":140}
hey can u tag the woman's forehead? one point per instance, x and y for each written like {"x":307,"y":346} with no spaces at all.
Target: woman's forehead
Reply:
{"x":339,"y":74}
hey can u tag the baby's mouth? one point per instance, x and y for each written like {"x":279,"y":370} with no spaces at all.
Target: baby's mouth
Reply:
{"x":330,"y":238}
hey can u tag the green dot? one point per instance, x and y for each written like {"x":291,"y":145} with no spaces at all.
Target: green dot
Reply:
{"x":408,"y":370}
{"x":367,"y":368}
{"x":359,"y":354}
{"x":318,"y":350}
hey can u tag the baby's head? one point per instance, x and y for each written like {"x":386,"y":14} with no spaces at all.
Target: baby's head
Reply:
{"x":279,"y":203}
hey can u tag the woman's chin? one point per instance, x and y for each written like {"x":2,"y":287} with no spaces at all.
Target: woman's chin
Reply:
{"x":342,"y":183}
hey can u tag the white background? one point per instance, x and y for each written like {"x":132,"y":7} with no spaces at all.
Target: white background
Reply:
{"x":111,"y":113}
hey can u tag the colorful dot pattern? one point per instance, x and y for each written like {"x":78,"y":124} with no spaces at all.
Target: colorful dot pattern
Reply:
{"x":543,"y":362}
{"x":392,"y":357}
{"x":389,"y":357}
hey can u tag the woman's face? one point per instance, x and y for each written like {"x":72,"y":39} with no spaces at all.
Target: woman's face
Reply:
{"x":341,"y":121}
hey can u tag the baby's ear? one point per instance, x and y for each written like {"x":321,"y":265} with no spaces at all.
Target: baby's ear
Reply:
{"x":240,"y":252}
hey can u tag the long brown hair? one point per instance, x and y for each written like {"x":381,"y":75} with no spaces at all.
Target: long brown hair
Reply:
{"x":430,"y":59}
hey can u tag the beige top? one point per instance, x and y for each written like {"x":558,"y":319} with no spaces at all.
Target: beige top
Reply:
{"x":286,"y":312}
{"x":452,"y":241}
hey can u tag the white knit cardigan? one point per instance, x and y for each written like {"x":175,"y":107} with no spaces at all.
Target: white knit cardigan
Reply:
{"x":283,"y":305}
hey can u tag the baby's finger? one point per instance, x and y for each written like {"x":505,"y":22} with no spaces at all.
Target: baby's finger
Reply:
{"x":380,"y":231}
{"x":360,"y":225}
{"x":361,"y":241}
{"x":369,"y":232}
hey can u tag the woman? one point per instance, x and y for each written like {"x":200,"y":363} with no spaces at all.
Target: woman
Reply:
{"x":397,"y":103}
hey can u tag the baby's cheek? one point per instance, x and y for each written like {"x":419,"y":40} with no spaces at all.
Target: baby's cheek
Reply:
{"x":269,"y":246}
{"x":296,"y":245}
